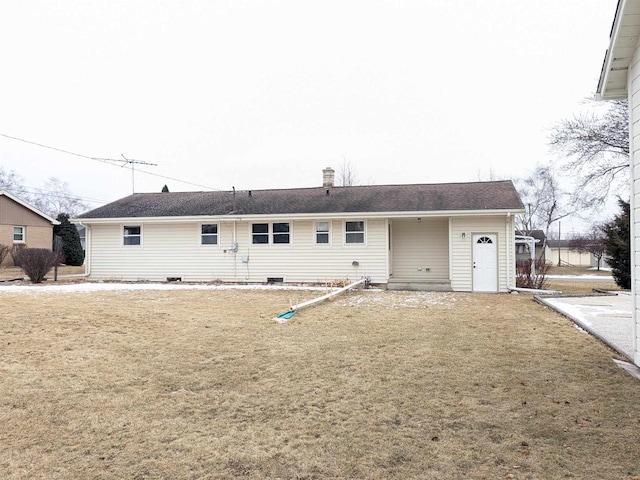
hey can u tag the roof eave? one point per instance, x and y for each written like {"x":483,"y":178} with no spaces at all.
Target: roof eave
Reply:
{"x":625,"y":32}
{"x":29,"y":207}
{"x":298,"y":216}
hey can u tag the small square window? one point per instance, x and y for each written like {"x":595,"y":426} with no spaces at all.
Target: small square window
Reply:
{"x":281,"y":233}
{"x":322,"y":233}
{"x":354,"y":232}
{"x":132,"y":235}
{"x":260,"y":233}
{"x":209,"y":234}
{"x":18,"y":234}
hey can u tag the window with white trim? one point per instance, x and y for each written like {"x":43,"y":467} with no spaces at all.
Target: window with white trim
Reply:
{"x":132,"y":235}
{"x":322,"y":233}
{"x":259,"y":233}
{"x":354,"y":232}
{"x":209,"y":234}
{"x":278,"y":232}
{"x":19,"y":234}
{"x":281,"y":233}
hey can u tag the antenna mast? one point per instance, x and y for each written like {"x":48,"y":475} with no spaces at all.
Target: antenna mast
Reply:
{"x":133,"y":162}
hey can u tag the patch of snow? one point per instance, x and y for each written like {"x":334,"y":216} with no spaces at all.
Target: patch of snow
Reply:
{"x":354,"y":298}
{"x":582,"y":330}
{"x":603,"y":278}
{"x":372,"y":298}
{"x":110,"y":287}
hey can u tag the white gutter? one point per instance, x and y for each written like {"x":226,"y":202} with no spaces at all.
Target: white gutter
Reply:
{"x":510,"y":246}
{"x":297,"y":216}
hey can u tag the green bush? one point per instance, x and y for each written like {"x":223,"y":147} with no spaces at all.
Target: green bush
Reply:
{"x":71,"y":245}
{"x":618,"y":245}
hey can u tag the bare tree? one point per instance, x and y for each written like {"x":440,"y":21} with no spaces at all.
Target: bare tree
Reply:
{"x":12,"y":183}
{"x":596,"y":146}
{"x":489,"y":175}
{"x":347,"y":175}
{"x":545,"y":202}
{"x":593,"y":242}
{"x":55,"y":198}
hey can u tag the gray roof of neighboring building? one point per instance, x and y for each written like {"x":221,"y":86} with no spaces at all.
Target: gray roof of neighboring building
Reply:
{"x":499,"y":195}
{"x":558,"y":243}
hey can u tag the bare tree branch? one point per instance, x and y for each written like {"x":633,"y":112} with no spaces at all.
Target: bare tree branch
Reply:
{"x":596,"y":150}
{"x":347,"y":175}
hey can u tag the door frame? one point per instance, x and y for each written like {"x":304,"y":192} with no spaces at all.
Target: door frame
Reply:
{"x":495,"y":237}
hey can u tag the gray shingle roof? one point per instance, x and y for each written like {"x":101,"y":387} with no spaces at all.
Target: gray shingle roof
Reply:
{"x":332,"y":200}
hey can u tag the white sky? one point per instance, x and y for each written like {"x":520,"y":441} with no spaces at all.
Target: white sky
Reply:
{"x":264,"y":94}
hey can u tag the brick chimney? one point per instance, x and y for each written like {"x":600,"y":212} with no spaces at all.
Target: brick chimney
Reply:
{"x":328,"y":177}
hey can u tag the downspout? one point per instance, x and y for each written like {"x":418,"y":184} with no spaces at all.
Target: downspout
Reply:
{"x":510,"y":246}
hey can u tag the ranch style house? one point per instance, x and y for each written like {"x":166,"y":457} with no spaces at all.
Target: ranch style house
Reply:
{"x":23,"y":225}
{"x":452,"y":237}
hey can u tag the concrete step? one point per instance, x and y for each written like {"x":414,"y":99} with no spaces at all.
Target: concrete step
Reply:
{"x":442,"y":286}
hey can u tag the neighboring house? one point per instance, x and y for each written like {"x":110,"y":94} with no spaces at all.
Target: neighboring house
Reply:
{"x":522,"y":249}
{"x":22,"y":224}
{"x":620,"y":79}
{"x":457,"y":236}
{"x":560,"y":253}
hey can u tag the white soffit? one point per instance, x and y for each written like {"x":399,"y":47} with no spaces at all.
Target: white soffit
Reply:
{"x":623,"y":42}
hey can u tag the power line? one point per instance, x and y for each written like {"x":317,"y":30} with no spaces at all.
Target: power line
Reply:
{"x":108,"y":161}
{"x":59,"y":195}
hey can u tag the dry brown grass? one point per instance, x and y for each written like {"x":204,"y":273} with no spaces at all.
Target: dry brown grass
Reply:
{"x":204,"y":384}
{"x":566,"y":270}
{"x":16,"y":272}
{"x":574,"y":286}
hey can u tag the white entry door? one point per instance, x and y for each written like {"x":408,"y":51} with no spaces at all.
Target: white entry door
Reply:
{"x":485,"y":262}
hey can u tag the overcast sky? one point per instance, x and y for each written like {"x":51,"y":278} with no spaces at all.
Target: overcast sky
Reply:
{"x":265,"y":94}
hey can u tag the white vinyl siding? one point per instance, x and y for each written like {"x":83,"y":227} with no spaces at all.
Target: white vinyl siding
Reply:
{"x":462,"y":254}
{"x":634,"y":148}
{"x":421,"y":250}
{"x":169,"y":250}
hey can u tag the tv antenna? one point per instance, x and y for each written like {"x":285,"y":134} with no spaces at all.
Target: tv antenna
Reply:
{"x":133,"y":163}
